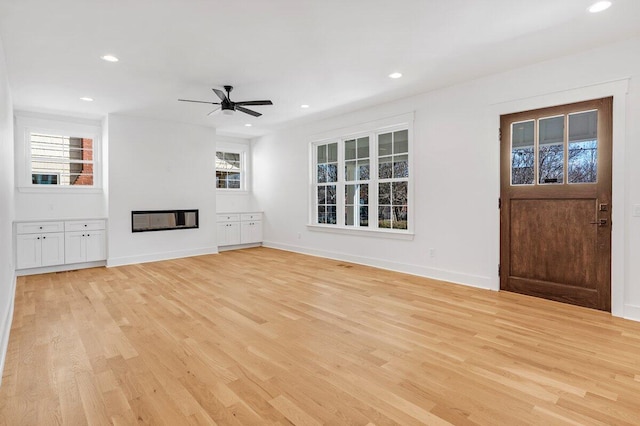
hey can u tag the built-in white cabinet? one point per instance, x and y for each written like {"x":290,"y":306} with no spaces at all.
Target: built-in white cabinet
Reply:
{"x":54,"y":243}
{"x":39,"y":244}
{"x":84,"y":241}
{"x":228,"y":229}
{"x":239,"y":228}
{"x":250,"y":228}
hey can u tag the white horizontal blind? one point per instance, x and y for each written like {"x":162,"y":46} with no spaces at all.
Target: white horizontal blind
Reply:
{"x":61,"y":160}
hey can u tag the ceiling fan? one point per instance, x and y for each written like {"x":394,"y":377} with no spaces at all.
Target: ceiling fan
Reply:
{"x":228,"y":106}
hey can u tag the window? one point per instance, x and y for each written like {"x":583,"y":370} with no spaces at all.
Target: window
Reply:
{"x":357,"y":173}
{"x":326,"y":178}
{"x":58,"y":154}
{"x":61,"y":160}
{"x":566,"y":145}
{"x":229,"y":170}
{"x":369,"y":172}
{"x":393,"y":179}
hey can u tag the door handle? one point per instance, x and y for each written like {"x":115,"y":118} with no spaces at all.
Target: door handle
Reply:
{"x":600,"y":222}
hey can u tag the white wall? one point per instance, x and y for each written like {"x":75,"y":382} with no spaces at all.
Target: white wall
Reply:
{"x":237,"y":201}
{"x":7,"y":270}
{"x":156,"y":165}
{"x":57,"y":203}
{"x":456,"y":172}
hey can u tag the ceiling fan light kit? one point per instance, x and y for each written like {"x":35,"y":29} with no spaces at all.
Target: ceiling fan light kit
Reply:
{"x":228,"y":106}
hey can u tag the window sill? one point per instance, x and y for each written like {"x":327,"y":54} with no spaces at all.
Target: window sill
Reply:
{"x":60,"y":190}
{"x":232,"y":191}
{"x":377,"y":233}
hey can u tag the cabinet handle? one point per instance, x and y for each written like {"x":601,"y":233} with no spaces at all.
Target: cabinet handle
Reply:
{"x":38,"y":237}
{"x":44,"y":238}
{"x":88,"y":235}
{"x":85,"y":225}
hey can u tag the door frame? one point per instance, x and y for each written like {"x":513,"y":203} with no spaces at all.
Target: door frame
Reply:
{"x":618,"y":89}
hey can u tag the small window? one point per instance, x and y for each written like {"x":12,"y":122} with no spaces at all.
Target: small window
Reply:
{"x":61,"y":160}
{"x":393,"y":179}
{"x":229,"y":170}
{"x":326,"y":178}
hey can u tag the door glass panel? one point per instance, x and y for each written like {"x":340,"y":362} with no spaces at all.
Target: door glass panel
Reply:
{"x":551,"y":150}
{"x":583,"y":147}
{"x":522,"y":153}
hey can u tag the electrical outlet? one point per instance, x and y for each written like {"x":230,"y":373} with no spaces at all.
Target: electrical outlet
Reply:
{"x":432,"y":253}
{"x":299,"y":235}
{"x":636,"y":210}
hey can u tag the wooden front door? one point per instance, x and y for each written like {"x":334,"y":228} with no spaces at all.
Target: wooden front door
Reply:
{"x":555,"y":217}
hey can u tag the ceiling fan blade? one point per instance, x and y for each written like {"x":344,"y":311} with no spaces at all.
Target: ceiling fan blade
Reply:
{"x":221,"y":95}
{"x":248,"y":111}
{"x":254,"y":103}
{"x":213,"y":111}
{"x":199,"y":102}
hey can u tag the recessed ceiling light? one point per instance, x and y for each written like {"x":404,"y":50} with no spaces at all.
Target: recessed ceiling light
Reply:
{"x":395,"y":75}
{"x":304,"y":106}
{"x":86,"y":99}
{"x":248,"y":125}
{"x":110,"y":58}
{"x":599,"y":6}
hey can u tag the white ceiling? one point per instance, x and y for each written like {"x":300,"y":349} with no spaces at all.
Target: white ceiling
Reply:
{"x":334,"y":55}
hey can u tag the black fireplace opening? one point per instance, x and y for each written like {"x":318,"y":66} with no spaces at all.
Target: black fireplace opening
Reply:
{"x":163,"y":220}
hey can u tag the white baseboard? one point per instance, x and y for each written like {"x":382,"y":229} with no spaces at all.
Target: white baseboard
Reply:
{"x":59,"y":268}
{"x":156,"y":257}
{"x":5,"y":328}
{"x":477,"y":281}
{"x":632,"y":312}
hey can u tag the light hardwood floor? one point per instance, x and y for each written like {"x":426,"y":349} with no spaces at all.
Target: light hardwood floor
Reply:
{"x":262,"y":336}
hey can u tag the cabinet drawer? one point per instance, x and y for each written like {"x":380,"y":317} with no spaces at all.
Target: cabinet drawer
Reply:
{"x":84,"y":225}
{"x":231,"y":217}
{"x":39,"y":227}
{"x":251,"y":216}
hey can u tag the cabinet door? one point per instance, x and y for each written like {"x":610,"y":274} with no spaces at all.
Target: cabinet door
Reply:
{"x":95,"y":246}
{"x":28,"y":251}
{"x":75,"y":247}
{"x":228,"y":234}
{"x":251,"y":232}
{"x":52,"y":249}
{"x":233,"y":233}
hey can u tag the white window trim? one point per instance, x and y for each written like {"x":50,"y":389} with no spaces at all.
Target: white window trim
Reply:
{"x":371,"y":129}
{"x":27,"y":123}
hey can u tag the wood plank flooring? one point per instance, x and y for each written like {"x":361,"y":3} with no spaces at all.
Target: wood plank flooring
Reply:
{"x":262,"y":336}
